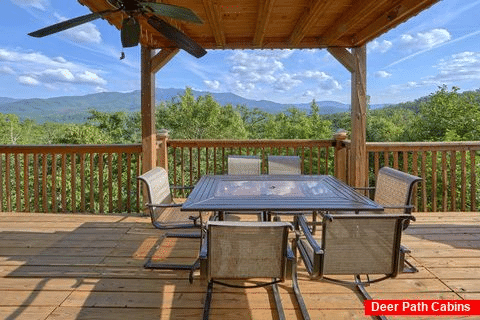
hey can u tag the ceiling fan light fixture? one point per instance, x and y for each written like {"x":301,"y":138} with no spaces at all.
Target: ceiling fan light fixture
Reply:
{"x":130,"y":34}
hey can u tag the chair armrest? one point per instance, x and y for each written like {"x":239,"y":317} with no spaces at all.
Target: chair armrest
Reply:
{"x":202,"y":256}
{"x":309,"y":249}
{"x":364,"y":188}
{"x":163,"y":205}
{"x":181,"y":187}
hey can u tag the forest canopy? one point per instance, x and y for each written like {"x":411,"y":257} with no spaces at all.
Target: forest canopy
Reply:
{"x":445,"y":115}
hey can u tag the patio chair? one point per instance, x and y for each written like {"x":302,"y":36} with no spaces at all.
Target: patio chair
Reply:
{"x":353,"y":244}
{"x":165,"y":214}
{"x":244,"y":250}
{"x":244,"y":165}
{"x":284,"y":165}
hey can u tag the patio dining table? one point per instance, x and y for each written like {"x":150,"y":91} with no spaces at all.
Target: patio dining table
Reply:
{"x":287,"y":193}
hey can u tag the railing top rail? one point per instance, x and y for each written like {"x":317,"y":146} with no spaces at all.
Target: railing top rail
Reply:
{"x":259,"y":143}
{"x":423,"y":146}
{"x":72,"y":148}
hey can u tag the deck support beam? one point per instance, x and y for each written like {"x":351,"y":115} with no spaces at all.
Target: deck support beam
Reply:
{"x":356,"y":62}
{"x":151,"y":63}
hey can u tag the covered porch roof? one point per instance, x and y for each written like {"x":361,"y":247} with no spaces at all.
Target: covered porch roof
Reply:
{"x":278,"y":24}
{"x":337,"y":25}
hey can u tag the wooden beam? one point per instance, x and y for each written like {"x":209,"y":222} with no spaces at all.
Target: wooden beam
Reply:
{"x":399,"y":12}
{"x":358,"y":148}
{"x":347,"y":21}
{"x":162,"y":58}
{"x":149,"y":135}
{"x":344,"y":57}
{"x":263,"y":19}
{"x":214,"y":21}
{"x":308,"y":19}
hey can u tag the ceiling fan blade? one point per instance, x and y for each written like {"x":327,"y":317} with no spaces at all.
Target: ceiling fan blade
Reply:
{"x":178,"y":37}
{"x":171,"y":11}
{"x":64,"y":25}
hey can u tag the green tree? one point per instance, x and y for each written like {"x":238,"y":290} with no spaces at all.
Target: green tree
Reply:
{"x":120,"y":127}
{"x":188,"y":117}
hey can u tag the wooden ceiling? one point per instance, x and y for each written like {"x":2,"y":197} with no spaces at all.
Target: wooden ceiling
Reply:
{"x":270,"y":24}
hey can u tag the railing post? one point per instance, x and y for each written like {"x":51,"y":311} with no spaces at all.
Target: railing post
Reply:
{"x":162,"y":138}
{"x":340,"y":165}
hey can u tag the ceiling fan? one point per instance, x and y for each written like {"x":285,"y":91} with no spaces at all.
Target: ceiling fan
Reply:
{"x":130,"y":32}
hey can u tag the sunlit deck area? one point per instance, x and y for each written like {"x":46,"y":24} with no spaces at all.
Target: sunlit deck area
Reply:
{"x":75,"y":266}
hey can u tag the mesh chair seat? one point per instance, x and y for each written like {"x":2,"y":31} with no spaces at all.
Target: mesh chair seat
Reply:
{"x":246,"y":250}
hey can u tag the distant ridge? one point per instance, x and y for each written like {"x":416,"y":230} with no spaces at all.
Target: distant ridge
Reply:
{"x":75,"y":108}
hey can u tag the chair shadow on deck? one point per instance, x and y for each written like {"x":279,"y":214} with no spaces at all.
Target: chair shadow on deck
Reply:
{"x":95,"y":271}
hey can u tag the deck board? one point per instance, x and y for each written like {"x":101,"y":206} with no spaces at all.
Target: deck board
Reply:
{"x":78,"y":266}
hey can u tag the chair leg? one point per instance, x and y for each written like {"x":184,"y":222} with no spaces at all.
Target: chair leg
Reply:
{"x":299,"y":297}
{"x":278,"y":302}
{"x":365,"y":295}
{"x":208,"y":300}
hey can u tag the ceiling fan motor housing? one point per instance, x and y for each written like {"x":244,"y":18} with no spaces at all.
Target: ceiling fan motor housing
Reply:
{"x":130,"y":32}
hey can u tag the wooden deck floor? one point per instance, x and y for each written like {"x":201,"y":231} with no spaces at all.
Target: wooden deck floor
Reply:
{"x":64,"y":266}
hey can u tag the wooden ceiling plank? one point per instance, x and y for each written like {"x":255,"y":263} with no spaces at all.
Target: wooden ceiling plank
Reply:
{"x":263,"y":20}
{"x":400,"y":12}
{"x":162,"y":58}
{"x":308,"y":19}
{"x":214,"y":21}
{"x":344,"y":57}
{"x":349,"y":19}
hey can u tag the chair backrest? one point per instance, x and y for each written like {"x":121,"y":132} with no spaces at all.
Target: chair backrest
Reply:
{"x":284,"y":165}
{"x":243,"y":250}
{"x":394,"y":188}
{"x":158,"y":188}
{"x":244,"y":165}
{"x":361,"y":244}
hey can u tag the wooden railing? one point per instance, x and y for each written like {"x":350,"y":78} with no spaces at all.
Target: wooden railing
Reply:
{"x":449,"y":171}
{"x":70,"y":178}
{"x":102,"y":178}
{"x":188,"y":160}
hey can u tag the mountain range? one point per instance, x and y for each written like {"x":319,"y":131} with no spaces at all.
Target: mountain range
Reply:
{"x":74,"y":109}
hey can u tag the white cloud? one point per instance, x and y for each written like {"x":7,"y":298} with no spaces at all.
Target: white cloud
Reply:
{"x":29,"y":81}
{"x":458,"y":67}
{"x":88,"y":77}
{"x":213,"y":85}
{"x":379,"y":46}
{"x":382,"y":74}
{"x":6,"y":70}
{"x":38,"y":4}
{"x":37,"y":68}
{"x":424,"y":40}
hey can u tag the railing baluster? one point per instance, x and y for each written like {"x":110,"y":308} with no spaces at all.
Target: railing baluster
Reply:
{"x":82,"y":182}
{"x":110,"y":182}
{"x":54,"y":182}
{"x":92,"y":187}
{"x":26,"y":182}
{"x":119,"y":182}
{"x":44,"y":182}
{"x":18,"y":195}
{"x":7,"y":182}
{"x":74,"y":181}
{"x":36,"y":194}
{"x":444,"y":181}
{"x":453,"y":181}
{"x":415,"y":173}
{"x":64,"y":182}
{"x":473,"y":181}
{"x":129,"y":182}
{"x":424,"y":182}
{"x":434,"y":181}
{"x":100,"y":182}
{"x":463,"y":192}
{"x":1,"y":182}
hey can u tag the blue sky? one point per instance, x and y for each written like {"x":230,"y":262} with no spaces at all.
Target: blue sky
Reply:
{"x":439,"y":46}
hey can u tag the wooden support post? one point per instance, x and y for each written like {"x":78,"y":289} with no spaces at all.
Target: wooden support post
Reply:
{"x":340,"y":169}
{"x":358,"y":155}
{"x":149,"y":134}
